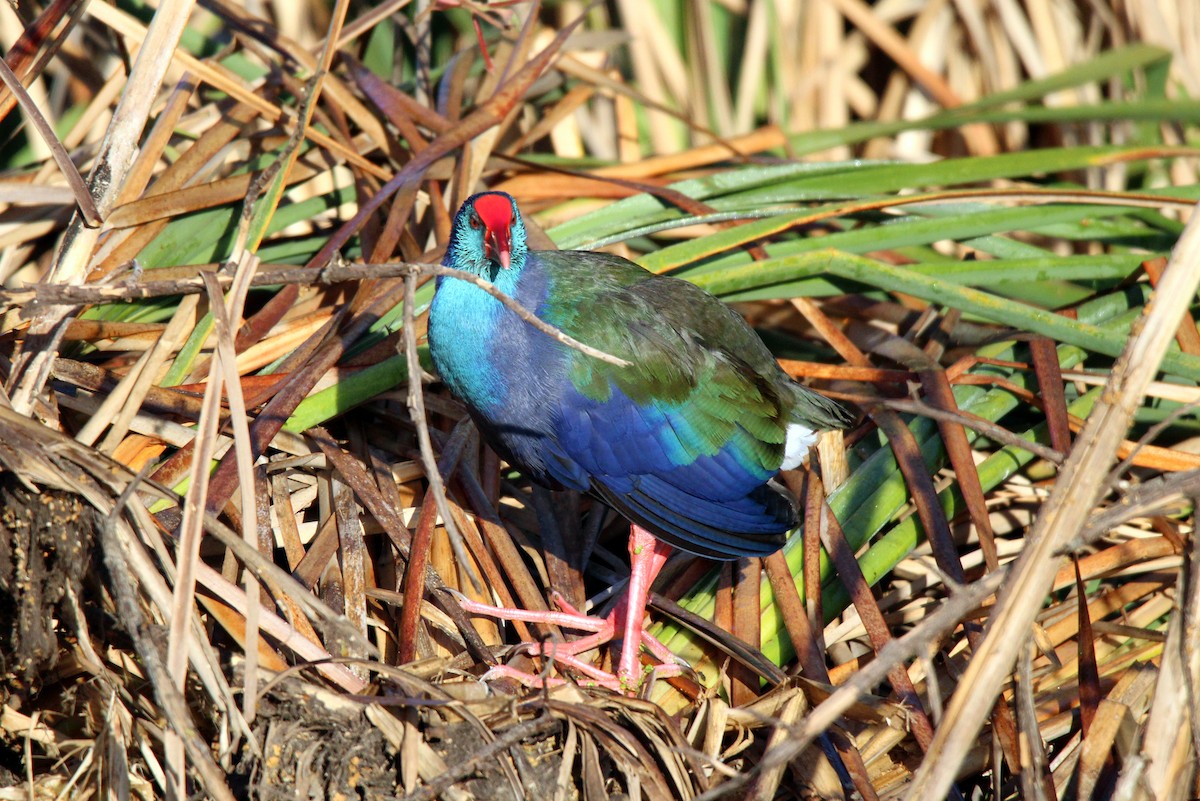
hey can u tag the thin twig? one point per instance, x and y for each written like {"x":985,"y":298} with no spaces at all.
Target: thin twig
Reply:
{"x":1151,"y":497}
{"x":55,"y":295}
{"x":976,"y":423}
{"x":1114,"y":475}
{"x":416,"y":409}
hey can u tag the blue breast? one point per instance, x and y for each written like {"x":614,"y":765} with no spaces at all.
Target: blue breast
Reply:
{"x":510,"y":375}
{"x":462,"y":324}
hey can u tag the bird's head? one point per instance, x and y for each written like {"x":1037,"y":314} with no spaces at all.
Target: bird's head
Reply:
{"x":488,"y":236}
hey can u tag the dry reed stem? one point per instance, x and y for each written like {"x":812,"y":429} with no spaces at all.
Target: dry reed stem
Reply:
{"x":188,"y":562}
{"x":1074,"y":497}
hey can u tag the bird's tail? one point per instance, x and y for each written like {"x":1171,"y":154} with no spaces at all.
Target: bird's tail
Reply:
{"x":755,"y":525}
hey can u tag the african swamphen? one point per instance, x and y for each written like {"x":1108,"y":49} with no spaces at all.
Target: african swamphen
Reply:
{"x":685,"y":442}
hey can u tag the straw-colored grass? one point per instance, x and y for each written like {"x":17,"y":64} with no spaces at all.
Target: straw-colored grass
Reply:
{"x":230,"y":526}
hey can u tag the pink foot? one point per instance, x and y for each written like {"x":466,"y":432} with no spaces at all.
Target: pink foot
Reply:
{"x":647,"y":556}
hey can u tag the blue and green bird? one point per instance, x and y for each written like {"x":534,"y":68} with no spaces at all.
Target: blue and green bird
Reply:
{"x":685,"y":442}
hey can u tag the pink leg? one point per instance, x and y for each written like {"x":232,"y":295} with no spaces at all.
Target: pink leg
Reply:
{"x":647,"y":555}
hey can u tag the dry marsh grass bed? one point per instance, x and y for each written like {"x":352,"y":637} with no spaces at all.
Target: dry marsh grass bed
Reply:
{"x":230,"y":541}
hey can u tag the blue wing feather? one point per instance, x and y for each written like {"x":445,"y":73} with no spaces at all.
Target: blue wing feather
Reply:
{"x":643,"y":460}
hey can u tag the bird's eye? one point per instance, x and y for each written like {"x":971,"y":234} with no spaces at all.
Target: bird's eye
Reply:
{"x":475,"y":223}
